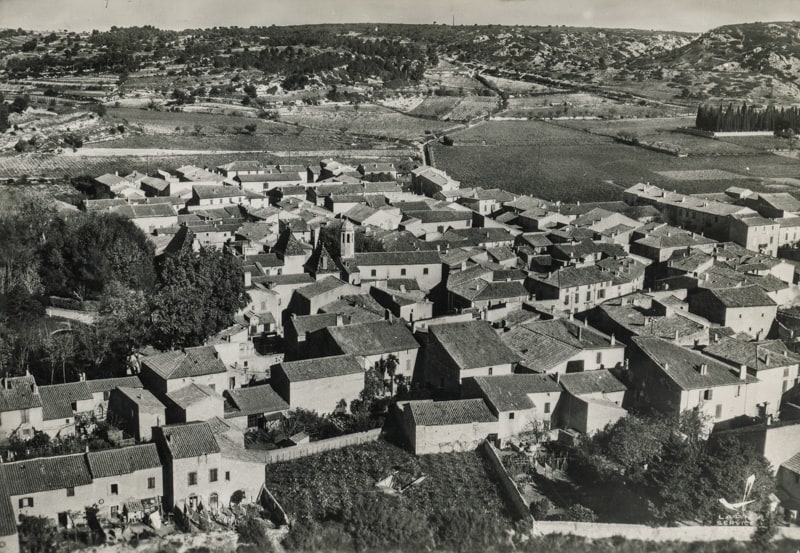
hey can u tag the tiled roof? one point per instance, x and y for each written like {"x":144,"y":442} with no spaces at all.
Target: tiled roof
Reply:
{"x":444,"y":413}
{"x":481,"y":290}
{"x":126,"y":460}
{"x":46,"y":474}
{"x":473,"y":344}
{"x":191,"y":439}
{"x":509,"y":392}
{"x":781,"y":200}
{"x":367,"y":259}
{"x":322,"y":286}
{"x":373,"y":338}
{"x":323,"y":367}
{"x":135,"y":211}
{"x":20,"y":395}
{"x":592,"y":382}
{"x":439,"y":215}
{"x":742,"y":296}
{"x":756,"y":355}
{"x":196,"y":361}
{"x":190,"y":394}
{"x":57,"y":399}
{"x":141,"y":397}
{"x":209,"y":191}
{"x":311,"y":323}
{"x":570,"y":277}
{"x":8,"y":521}
{"x":108,"y":384}
{"x":793,"y":464}
{"x":683,"y":365}
{"x":254,"y":400}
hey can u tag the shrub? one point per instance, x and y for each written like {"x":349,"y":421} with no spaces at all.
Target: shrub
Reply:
{"x":579,"y":513}
{"x":541,"y":508}
{"x":253,"y":530}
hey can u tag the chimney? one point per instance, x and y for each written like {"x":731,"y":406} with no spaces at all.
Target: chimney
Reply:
{"x":743,"y":372}
{"x":666,"y":366}
{"x":82,"y":376}
{"x":613,"y":340}
{"x":703,"y":369}
{"x":580,"y":334}
{"x":340,"y":320}
{"x":586,"y":322}
{"x":558,"y":378}
{"x":766,"y":358}
{"x":248,"y":279}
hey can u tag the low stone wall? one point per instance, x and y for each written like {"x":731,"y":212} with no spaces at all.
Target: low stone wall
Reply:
{"x":313,"y":448}
{"x":517,"y":505}
{"x":597,"y":530}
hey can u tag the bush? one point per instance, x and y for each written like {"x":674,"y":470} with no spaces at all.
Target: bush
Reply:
{"x":579,"y":513}
{"x":253,"y":530}
{"x":540,"y":509}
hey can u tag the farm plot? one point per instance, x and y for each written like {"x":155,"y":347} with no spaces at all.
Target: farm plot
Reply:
{"x":557,"y":163}
{"x":369,"y":120}
{"x":662,"y":131}
{"x":524,"y":133}
{"x":700,"y":175}
{"x":521,"y":88}
{"x":474,"y":106}
{"x":317,"y":487}
{"x":436,"y":106}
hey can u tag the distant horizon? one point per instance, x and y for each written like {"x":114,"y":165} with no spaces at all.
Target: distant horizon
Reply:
{"x":688,"y":16}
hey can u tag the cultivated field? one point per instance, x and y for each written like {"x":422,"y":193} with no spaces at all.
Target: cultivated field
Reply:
{"x":436,"y":106}
{"x":318,"y":486}
{"x":64,"y":167}
{"x":368,"y":120}
{"x":579,"y":104}
{"x":474,"y":106}
{"x":197,"y":131}
{"x":555,"y":162}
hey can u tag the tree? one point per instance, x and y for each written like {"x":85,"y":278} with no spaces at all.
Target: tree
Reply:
{"x":196,"y":296}
{"x":37,"y":534}
{"x":20,"y":104}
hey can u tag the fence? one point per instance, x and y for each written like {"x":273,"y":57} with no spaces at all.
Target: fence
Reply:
{"x":313,"y":448}
{"x":518,"y":506}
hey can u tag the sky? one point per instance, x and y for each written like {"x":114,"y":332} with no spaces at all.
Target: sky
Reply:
{"x":674,"y":15}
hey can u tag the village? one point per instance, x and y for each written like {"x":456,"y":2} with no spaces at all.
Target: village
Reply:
{"x":484,"y":319}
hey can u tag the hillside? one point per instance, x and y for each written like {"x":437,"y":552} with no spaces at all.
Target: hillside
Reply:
{"x":756,"y":61}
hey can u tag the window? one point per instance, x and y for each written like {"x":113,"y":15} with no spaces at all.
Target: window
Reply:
{"x":599,"y":358}
{"x":511,"y":416}
{"x":708,"y":394}
{"x":74,"y":405}
{"x":212,"y":475}
{"x":227,"y":476}
{"x":490,"y":371}
{"x":425,"y":271}
{"x":114,"y":489}
{"x":25,"y":416}
{"x":25,"y":502}
{"x":70,"y":492}
{"x":547,"y":407}
{"x":601,"y":294}
{"x":589,"y":295}
{"x":115,"y":511}
{"x":738,"y":391}
{"x":786,"y":372}
{"x":151,"y":483}
{"x":373,"y":272}
{"x":718,"y":412}
{"x":577,"y":298}
{"x":566,"y":299}
{"x":106,"y":395}
{"x":192,"y":478}
{"x":402,"y":272}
